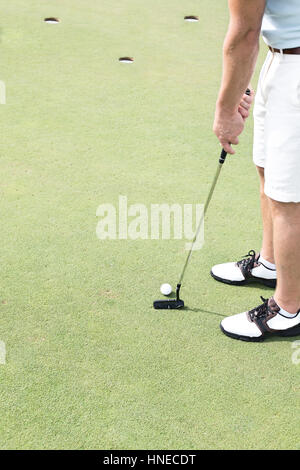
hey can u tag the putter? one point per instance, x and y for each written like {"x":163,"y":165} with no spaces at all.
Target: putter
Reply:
{"x":178,"y":302}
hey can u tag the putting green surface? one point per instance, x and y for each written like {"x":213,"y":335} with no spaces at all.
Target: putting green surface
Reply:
{"x":89,"y":363}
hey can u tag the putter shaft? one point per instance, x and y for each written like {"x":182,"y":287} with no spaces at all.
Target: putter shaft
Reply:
{"x":211,"y":191}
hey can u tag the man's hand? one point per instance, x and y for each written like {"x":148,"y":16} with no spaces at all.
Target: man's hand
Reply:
{"x":245,"y":105}
{"x":227,"y":127}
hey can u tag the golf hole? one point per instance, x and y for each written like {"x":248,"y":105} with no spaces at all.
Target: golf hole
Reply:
{"x":126,"y":60}
{"x":191,"y":18}
{"x":52,"y":20}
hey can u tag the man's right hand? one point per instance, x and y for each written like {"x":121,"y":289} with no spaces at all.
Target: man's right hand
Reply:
{"x":245,"y":105}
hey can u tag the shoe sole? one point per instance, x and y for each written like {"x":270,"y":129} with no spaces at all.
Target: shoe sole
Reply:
{"x":251,"y":280}
{"x":295,"y":331}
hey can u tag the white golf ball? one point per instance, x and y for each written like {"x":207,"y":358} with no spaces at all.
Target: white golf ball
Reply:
{"x":166,"y":289}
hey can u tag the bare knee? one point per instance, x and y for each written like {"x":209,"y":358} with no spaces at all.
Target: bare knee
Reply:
{"x":261,"y":171}
{"x":290,"y":211}
{"x":261,"y":174}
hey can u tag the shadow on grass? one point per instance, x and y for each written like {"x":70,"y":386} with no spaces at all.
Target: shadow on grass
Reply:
{"x":199,"y":310}
{"x":289,"y":339}
{"x":171,"y":296}
{"x":257,"y":285}
{"x":202,"y":310}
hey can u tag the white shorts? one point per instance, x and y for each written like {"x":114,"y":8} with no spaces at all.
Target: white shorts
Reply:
{"x":277,"y":126}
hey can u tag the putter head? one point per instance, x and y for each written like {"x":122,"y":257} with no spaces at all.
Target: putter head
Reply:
{"x":167,"y":304}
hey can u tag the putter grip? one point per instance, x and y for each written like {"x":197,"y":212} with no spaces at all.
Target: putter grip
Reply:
{"x":223,"y":153}
{"x":223,"y":157}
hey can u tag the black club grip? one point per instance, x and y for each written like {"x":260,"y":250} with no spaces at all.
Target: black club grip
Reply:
{"x":223,"y":153}
{"x":222,"y":157}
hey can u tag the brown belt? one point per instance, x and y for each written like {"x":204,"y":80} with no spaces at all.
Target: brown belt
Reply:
{"x":294,"y":50}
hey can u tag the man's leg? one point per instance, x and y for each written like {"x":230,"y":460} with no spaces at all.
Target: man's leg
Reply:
{"x":280,"y":315}
{"x":267,"y":250}
{"x":286,"y":222}
{"x":258,"y":267}
{"x":278,"y":138}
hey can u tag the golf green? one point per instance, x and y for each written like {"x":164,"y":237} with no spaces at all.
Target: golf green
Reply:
{"x":89,"y":362}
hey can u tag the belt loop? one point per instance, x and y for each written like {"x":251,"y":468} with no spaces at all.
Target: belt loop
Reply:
{"x":281,"y":55}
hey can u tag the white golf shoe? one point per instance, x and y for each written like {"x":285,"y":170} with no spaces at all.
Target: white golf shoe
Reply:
{"x":248,"y":270}
{"x":261,"y":323}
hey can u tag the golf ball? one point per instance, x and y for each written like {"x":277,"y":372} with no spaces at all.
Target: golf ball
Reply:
{"x":166,"y":289}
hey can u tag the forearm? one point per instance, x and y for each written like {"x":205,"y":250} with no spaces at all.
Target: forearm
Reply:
{"x":240,"y":53}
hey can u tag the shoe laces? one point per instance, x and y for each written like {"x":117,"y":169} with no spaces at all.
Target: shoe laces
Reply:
{"x":248,"y":262}
{"x":261,"y":311}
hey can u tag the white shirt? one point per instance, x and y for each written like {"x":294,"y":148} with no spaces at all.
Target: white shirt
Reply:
{"x":281,"y":24}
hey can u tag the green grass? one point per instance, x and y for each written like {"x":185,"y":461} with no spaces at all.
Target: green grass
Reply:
{"x":90,"y":364}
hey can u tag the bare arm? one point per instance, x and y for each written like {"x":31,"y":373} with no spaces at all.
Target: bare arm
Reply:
{"x":240,"y":52}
